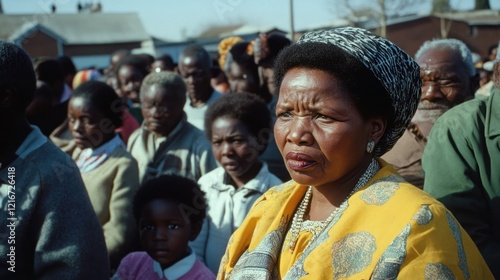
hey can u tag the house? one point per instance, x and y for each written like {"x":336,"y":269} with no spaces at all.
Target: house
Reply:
{"x":211,"y":38}
{"x":477,"y":29}
{"x":89,"y":38}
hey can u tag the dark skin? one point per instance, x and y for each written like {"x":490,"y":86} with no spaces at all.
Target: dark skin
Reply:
{"x":164,"y":232}
{"x":162,"y":109}
{"x":236,"y":149}
{"x":14,"y":124}
{"x":196,"y":73}
{"x":322,"y":137}
{"x":446,"y":82}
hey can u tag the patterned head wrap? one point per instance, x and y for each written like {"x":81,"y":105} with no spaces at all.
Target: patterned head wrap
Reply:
{"x":398,"y":73}
{"x":85,"y":75}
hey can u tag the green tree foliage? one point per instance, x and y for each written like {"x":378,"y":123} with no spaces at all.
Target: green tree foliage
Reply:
{"x":441,"y":6}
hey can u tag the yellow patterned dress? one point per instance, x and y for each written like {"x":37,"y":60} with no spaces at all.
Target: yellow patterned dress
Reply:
{"x":388,"y":229}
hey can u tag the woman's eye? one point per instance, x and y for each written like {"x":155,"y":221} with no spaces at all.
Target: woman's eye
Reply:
{"x":284,"y":115}
{"x":322,"y":117}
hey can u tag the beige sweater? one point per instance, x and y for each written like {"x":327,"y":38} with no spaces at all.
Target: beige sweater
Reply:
{"x":111,"y":188}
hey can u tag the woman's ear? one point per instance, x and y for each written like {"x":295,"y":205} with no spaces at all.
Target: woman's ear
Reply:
{"x":377,"y":128}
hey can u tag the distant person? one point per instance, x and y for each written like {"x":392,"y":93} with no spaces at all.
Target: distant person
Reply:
{"x":448,"y":79}
{"x":243,"y":76}
{"x":461,"y":163}
{"x":115,"y":59}
{"x":234,"y":124}
{"x":163,"y":62}
{"x":109,"y":172}
{"x":130,"y":74}
{"x":167,"y":143}
{"x":69,"y":69}
{"x":44,"y":203}
{"x":266,"y":49}
{"x":50,"y":72}
{"x":195,"y":68}
{"x":169,"y":211}
{"x":219,"y":80}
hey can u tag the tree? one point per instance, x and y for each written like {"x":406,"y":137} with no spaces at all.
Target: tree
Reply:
{"x":482,"y":5}
{"x":441,"y":6}
{"x":1,"y":8}
{"x":380,"y":10}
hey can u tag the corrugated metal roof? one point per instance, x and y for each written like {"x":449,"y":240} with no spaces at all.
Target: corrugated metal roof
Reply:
{"x":84,"y":28}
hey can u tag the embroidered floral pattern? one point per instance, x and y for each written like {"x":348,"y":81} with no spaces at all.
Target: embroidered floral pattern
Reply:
{"x":352,"y":254}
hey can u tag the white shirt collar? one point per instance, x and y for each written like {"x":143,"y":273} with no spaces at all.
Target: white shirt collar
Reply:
{"x":178,"y":269}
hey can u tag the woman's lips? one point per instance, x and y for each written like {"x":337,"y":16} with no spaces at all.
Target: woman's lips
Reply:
{"x":298,"y":161}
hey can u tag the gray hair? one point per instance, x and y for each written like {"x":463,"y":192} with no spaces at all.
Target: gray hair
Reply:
{"x":452,"y":44}
{"x":167,"y":80}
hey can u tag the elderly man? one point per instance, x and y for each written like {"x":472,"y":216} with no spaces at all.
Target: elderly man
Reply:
{"x":195,"y":67}
{"x":462,"y":169}
{"x":166,"y":143}
{"x":49,"y":229}
{"x":448,"y":78}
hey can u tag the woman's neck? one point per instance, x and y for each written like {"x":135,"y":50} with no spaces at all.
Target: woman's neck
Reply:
{"x":326,"y":198}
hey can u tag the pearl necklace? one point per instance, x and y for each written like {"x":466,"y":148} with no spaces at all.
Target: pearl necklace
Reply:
{"x":316,"y":228}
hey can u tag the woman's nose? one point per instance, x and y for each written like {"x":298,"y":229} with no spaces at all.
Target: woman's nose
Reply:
{"x":300,"y":133}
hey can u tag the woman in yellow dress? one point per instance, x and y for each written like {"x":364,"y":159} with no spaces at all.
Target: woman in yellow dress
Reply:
{"x":345,"y":97}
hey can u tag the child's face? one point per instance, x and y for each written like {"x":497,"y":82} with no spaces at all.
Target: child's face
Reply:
{"x":234,"y":147}
{"x":165,"y":232}
{"x":87,"y":124}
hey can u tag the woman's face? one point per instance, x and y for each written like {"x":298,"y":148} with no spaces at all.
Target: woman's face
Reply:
{"x":319,"y":131}
{"x":241,"y":79}
{"x":164,"y":232}
{"x":88,"y":125}
{"x":162,"y":110}
{"x":235,"y":148}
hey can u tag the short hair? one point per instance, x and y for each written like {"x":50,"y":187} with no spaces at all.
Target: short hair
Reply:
{"x":455,"y":45}
{"x":360,"y":83}
{"x":104,"y":98}
{"x":250,"y":109}
{"x":197,"y":51}
{"x":49,"y":70}
{"x":174,"y":188}
{"x":240,"y":56}
{"x":167,"y":60}
{"x":136,"y":61}
{"x":169,"y":81}
{"x":67,"y":65}
{"x":276,"y":43}
{"x":17,"y":75}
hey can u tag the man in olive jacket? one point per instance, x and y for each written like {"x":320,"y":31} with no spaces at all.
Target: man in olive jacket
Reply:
{"x":462,"y":169}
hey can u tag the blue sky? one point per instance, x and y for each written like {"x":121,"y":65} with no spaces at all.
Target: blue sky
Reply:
{"x":171,"y":19}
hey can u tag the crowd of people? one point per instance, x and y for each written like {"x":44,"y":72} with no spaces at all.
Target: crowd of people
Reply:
{"x":336,"y":156}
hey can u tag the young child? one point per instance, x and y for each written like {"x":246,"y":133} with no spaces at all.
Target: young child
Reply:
{"x":109,"y":172}
{"x":239,"y":127}
{"x":169,"y":211}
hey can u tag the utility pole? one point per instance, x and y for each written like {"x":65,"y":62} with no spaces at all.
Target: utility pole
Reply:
{"x":292,"y":29}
